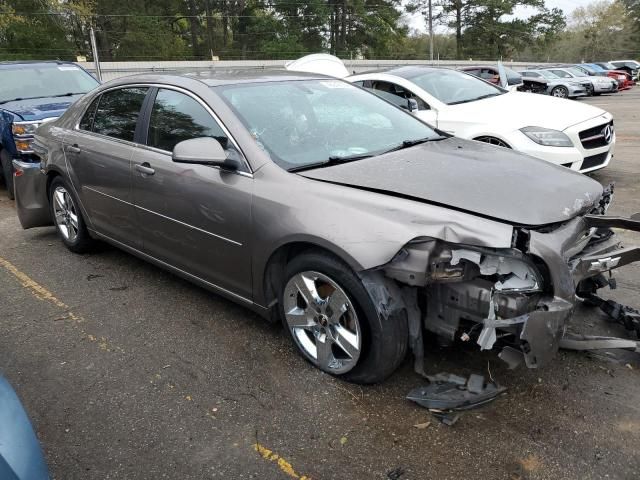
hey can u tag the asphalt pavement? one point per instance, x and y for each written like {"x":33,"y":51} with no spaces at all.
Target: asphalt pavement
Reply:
{"x":129,"y":372}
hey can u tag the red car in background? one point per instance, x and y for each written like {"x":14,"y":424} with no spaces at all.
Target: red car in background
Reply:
{"x":623,"y":78}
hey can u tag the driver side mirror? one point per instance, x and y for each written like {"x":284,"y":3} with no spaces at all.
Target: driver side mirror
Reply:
{"x":203,"y":151}
{"x":412,"y":105}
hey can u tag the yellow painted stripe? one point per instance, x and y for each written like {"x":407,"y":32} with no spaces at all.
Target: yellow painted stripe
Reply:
{"x":282,"y":463}
{"x":38,"y":290}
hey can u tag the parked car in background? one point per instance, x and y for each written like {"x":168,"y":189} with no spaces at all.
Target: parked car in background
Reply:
{"x":623,"y":78}
{"x":599,"y":85}
{"x":20,"y":453}
{"x":632,"y":67}
{"x":492,"y":75}
{"x":549,"y":128}
{"x":556,"y":86}
{"x":316,"y":203}
{"x":32,"y":93}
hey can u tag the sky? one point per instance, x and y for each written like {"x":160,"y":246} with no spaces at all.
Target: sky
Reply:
{"x":417,"y":21}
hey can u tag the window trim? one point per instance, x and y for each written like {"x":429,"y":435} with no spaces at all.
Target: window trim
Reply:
{"x":145,"y":115}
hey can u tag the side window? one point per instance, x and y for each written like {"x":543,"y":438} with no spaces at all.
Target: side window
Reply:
{"x":176,"y":117}
{"x":531,"y":74}
{"x":488,"y":74}
{"x":473,"y":71}
{"x":117,"y":113}
{"x":560,"y":73}
{"x":397,"y":95}
{"x":87,"y":120}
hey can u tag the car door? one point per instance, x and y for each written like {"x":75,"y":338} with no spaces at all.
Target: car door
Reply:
{"x":194,"y":217}
{"x":99,"y":153}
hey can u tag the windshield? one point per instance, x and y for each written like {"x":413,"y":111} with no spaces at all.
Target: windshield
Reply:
{"x":300,"y":123}
{"x":576,"y":71}
{"x":33,"y":81}
{"x":453,"y":87}
{"x":547,"y":74}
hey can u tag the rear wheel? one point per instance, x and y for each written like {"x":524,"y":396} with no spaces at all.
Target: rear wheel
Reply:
{"x":7,"y":172}
{"x":68,"y":218}
{"x":560,"y":92}
{"x":334,"y":323}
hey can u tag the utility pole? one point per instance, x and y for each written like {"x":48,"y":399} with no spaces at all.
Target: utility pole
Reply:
{"x":94,"y":53}
{"x":430,"y":21}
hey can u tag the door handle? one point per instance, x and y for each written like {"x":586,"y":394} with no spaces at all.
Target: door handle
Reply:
{"x":145,"y":168}
{"x":73,"y":148}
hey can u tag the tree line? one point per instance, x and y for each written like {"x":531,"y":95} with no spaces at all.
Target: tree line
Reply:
{"x":285,"y":29}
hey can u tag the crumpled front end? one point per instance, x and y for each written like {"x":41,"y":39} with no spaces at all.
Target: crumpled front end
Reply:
{"x":519,"y":299}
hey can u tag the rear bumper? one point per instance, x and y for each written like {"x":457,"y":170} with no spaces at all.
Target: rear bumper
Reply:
{"x":32,"y":203}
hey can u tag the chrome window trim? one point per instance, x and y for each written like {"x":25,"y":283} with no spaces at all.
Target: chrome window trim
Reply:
{"x":164,"y":216}
{"x":167,"y":87}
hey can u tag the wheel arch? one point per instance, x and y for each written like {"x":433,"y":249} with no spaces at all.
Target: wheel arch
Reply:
{"x":484,"y":136}
{"x":272,"y":275}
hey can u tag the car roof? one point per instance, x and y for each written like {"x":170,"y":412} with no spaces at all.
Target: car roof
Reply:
{"x":409,"y":71}
{"x":214,"y":78}
{"x":32,"y":63}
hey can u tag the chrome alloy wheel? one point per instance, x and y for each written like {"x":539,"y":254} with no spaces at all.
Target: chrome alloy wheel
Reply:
{"x":65,"y":214}
{"x":323,"y":322}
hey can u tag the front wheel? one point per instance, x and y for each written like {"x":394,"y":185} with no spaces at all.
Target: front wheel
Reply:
{"x":334,"y":323}
{"x":560,"y":92}
{"x":68,"y":218}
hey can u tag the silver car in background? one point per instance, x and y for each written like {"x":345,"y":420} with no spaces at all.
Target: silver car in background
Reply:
{"x":599,"y":84}
{"x":314,"y":202}
{"x":556,"y":86}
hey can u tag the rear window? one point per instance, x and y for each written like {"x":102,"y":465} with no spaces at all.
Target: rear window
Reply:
{"x":117,"y":113}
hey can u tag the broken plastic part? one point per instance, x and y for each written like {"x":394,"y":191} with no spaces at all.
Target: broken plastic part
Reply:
{"x":626,"y":316}
{"x":454,"y":393}
{"x":573,"y":341}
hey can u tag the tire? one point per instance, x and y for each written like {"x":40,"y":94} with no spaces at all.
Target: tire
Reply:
{"x":376,"y":346}
{"x":67,"y":217}
{"x":7,"y":172}
{"x":560,"y":92}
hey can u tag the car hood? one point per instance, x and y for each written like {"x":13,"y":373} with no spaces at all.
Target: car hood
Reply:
{"x":485,"y":180}
{"x":521,"y":109}
{"x":39,"y":108}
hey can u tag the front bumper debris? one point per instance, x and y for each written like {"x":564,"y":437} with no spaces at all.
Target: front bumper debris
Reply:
{"x":574,"y":258}
{"x":447,"y":394}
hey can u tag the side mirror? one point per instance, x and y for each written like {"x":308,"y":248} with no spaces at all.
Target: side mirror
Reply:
{"x":412,"y":105}
{"x":203,"y":151}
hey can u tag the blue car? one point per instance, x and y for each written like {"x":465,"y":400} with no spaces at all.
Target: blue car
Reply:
{"x":20,"y":453}
{"x":32,"y":93}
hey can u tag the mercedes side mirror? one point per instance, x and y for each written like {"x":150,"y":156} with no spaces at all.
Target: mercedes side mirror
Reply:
{"x":203,"y":151}
{"x":412,"y":105}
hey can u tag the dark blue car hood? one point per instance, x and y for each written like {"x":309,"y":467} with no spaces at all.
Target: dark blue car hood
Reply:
{"x":39,"y":108}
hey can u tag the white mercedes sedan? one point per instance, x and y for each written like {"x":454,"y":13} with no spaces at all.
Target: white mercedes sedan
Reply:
{"x":560,"y":131}
{"x":563,"y":132}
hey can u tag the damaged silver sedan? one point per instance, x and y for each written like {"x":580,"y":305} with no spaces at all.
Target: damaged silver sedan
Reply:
{"x":318,"y":204}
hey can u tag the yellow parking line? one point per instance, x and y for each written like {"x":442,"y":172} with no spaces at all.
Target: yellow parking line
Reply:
{"x":41,"y":293}
{"x":283,"y":464}
{"x":36,"y":289}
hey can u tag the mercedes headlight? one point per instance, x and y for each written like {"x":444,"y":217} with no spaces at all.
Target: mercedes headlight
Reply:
{"x":548,"y":137}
